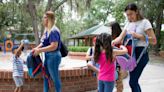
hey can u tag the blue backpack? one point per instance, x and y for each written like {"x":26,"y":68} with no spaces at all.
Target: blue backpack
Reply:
{"x":34,"y":65}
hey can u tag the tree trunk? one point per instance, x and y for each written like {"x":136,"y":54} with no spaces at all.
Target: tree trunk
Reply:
{"x":32,"y":11}
{"x":158,"y":29}
{"x":48,"y":7}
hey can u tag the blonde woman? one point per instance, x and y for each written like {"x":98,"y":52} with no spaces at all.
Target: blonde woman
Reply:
{"x":50,"y":44}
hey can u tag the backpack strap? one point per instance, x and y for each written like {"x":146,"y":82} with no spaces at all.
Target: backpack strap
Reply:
{"x":129,"y":37}
{"x":91,"y":51}
{"x":144,"y":49}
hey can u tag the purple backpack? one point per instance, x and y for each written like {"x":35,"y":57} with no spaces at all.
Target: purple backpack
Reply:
{"x":128,"y":62}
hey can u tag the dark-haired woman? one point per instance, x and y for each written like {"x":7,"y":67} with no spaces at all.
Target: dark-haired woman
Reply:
{"x":138,"y":27}
{"x":116,"y":31}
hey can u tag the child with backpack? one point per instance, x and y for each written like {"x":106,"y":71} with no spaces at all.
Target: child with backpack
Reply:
{"x":90,"y":60}
{"x":104,"y":56}
{"x":18,"y":67}
{"x":89,"y":57}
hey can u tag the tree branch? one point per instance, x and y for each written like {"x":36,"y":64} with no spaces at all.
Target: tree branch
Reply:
{"x":61,"y":3}
{"x":49,"y":4}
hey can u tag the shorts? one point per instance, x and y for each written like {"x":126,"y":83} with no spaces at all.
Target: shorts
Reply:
{"x":18,"y":81}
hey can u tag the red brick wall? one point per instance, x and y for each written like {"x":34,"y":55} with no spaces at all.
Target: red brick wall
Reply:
{"x":77,"y":55}
{"x":73,"y":80}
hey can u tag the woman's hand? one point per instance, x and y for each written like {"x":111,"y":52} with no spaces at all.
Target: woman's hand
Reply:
{"x":124,"y":48}
{"x":36,"y":51}
{"x":138,"y":36}
{"x":134,"y":34}
{"x":113,"y":43}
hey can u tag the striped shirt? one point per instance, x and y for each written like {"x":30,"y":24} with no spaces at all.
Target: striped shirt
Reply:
{"x":17,"y":66}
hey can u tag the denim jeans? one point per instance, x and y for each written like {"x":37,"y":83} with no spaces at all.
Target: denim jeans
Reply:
{"x":52,"y":61}
{"x":136,"y":73}
{"x":105,"y":86}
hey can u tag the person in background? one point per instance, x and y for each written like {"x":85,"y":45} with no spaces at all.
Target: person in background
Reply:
{"x":116,"y":31}
{"x":90,"y":58}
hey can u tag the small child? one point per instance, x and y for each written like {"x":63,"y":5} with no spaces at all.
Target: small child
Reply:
{"x":89,"y":57}
{"x":18,"y":67}
{"x":104,"y":56}
{"x":90,"y":60}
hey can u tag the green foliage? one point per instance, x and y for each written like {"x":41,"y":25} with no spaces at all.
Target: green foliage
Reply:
{"x":98,"y":12}
{"x":118,"y":9}
{"x":78,"y":48}
{"x":162,"y":40}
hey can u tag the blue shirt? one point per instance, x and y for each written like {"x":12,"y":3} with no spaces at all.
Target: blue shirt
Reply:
{"x":54,"y":36}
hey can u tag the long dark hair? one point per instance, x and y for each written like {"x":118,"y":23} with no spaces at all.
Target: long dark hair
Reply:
{"x":133,"y":7}
{"x":116,"y":29}
{"x":103,"y":41}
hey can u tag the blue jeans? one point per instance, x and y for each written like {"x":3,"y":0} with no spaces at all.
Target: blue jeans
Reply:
{"x":52,"y":61}
{"x":136,"y":73}
{"x":105,"y":86}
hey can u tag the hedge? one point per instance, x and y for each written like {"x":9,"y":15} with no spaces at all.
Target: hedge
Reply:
{"x":78,"y":48}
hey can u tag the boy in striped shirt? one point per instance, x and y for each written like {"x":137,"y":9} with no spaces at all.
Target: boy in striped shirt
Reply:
{"x":18,"y":67}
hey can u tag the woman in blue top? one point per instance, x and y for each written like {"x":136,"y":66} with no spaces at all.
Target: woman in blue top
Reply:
{"x":50,"y":44}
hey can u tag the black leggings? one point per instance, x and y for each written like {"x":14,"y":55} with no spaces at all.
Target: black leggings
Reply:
{"x":136,"y":73}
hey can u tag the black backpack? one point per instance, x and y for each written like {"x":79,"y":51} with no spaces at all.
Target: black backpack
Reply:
{"x":34,"y":65}
{"x":63,"y":50}
{"x":90,"y":53}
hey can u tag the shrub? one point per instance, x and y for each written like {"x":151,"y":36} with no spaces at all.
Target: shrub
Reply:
{"x":78,"y":48}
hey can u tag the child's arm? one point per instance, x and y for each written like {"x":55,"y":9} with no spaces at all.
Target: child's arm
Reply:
{"x":121,"y":51}
{"x":19,"y":49}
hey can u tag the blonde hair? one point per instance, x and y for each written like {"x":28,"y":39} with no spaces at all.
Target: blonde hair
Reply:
{"x":51,"y":18}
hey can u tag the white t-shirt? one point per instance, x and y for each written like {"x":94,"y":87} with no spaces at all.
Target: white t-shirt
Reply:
{"x":139,"y":27}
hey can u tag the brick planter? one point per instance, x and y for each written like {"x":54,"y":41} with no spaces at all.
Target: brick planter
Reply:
{"x":161,"y":53}
{"x":77,"y":55}
{"x":73,"y":80}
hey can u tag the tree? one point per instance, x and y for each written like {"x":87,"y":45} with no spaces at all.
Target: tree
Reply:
{"x":155,"y":17}
{"x":33,"y":13}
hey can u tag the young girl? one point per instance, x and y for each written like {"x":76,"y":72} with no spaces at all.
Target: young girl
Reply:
{"x":104,"y":55}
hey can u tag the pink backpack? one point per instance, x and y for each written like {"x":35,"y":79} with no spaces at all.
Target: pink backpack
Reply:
{"x":128,"y":62}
